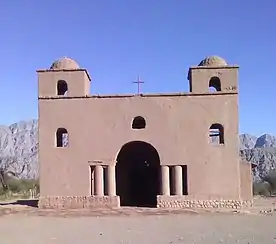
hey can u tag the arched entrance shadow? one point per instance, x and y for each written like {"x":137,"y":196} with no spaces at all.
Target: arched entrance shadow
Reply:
{"x":137,"y":174}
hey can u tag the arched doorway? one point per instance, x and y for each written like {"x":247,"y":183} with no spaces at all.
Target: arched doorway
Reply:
{"x":137,"y":174}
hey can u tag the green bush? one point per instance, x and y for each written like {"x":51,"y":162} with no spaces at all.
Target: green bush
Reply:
{"x":2,"y":191}
{"x":271,"y":179}
{"x":19,"y":187}
{"x":262,"y":188}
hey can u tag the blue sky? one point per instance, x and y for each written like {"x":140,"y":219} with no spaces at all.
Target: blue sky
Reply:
{"x":158,"y":39}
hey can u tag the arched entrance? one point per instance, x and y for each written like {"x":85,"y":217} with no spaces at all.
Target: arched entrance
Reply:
{"x":137,"y":174}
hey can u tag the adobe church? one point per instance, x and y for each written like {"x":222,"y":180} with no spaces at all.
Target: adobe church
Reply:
{"x":173,"y":150}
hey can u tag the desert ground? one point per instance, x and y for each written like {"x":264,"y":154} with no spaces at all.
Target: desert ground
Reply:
{"x":28,"y":225}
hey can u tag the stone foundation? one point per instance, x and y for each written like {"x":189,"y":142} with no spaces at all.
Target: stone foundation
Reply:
{"x":77,"y":202}
{"x":183,"y":202}
{"x":89,"y":202}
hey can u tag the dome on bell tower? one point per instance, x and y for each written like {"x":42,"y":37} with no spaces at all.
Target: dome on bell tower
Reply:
{"x":64,"y":63}
{"x":213,"y":61}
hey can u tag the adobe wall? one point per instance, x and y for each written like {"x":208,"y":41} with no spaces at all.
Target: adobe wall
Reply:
{"x":176,"y":126}
{"x":246,"y":180}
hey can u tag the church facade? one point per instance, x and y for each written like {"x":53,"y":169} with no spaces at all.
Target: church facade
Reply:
{"x":145,"y":150}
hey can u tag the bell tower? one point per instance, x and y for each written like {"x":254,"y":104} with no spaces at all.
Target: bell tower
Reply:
{"x":64,"y":78}
{"x":213,"y":73}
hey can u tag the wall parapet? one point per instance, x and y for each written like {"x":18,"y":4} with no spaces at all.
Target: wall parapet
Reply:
{"x":181,"y":94}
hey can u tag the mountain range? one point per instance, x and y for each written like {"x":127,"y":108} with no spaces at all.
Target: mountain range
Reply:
{"x":19,"y":144}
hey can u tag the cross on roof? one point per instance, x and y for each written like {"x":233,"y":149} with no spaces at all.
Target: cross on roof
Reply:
{"x":138,"y":82}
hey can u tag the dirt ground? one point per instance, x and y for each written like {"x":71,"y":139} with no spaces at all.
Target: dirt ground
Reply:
{"x":28,"y":225}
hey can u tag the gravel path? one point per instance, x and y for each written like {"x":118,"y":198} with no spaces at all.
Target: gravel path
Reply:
{"x":188,"y":228}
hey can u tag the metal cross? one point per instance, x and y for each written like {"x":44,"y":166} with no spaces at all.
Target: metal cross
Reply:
{"x":138,"y":82}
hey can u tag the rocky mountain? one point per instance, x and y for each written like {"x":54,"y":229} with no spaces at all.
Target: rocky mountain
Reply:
{"x":247,"y":141}
{"x":264,"y":158}
{"x":260,"y":151}
{"x":19,"y":147}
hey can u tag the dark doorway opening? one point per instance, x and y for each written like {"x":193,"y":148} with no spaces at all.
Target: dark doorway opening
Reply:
{"x":137,"y":174}
{"x":185,"y":180}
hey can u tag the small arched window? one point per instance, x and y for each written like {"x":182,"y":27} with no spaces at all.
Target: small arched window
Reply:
{"x":214,"y":84}
{"x":62,"y":137}
{"x":216,"y":134}
{"x":62,"y":87}
{"x":139,"y":123}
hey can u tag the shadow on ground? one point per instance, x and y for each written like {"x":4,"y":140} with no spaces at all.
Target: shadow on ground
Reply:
{"x":28,"y":202}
